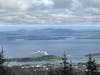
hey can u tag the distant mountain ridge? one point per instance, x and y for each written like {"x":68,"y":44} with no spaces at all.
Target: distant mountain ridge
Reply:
{"x":49,"y":34}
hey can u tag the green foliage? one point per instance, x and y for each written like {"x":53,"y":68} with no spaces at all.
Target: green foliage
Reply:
{"x":92,"y":68}
{"x":59,"y":71}
{"x":4,"y":70}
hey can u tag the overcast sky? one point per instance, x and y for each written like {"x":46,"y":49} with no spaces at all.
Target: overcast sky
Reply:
{"x":49,"y":12}
{"x":32,"y":27}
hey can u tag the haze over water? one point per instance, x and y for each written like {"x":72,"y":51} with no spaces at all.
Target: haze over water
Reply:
{"x":76,"y":49}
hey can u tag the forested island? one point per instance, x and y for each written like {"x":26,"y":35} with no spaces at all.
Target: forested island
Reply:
{"x":37,"y":58}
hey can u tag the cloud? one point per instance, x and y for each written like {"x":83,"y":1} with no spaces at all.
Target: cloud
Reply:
{"x":43,"y":2}
{"x":13,"y":5}
{"x":90,"y":3}
{"x":61,"y":4}
{"x":23,"y":4}
{"x":34,"y":12}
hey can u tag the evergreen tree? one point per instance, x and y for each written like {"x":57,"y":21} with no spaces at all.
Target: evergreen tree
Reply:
{"x":65,"y":69}
{"x":92,"y":68}
{"x":3,"y":68}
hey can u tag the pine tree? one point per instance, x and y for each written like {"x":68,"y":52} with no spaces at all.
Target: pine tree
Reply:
{"x":1,"y":63}
{"x":92,"y":68}
{"x":65,"y":69}
{"x":3,"y":68}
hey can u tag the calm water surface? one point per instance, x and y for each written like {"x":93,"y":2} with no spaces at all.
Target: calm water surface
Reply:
{"x":75,"y":48}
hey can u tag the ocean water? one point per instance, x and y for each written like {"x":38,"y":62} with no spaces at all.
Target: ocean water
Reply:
{"x":76,"y":49}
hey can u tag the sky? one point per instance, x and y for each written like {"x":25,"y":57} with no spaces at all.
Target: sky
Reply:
{"x":32,"y":27}
{"x":49,"y":12}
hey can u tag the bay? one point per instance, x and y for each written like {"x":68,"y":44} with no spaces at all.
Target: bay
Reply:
{"x":76,"y":49}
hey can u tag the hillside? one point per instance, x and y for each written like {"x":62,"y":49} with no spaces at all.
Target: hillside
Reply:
{"x":38,"y":58}
{"x":49,"y":34}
